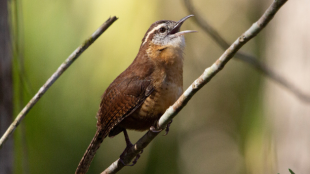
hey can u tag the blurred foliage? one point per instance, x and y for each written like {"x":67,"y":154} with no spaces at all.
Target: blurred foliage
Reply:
{"x":291,"y":171}
{"x":220,"y":131}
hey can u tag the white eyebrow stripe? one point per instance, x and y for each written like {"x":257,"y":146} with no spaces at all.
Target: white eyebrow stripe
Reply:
{"x":152,"y":32}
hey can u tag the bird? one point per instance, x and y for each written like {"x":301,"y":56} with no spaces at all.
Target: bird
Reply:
{"x":139,"y":96}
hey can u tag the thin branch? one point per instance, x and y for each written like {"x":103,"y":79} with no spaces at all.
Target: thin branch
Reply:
{"x":55,"y":76}
{"x":250,"y":59}
{"x":208,"y":74}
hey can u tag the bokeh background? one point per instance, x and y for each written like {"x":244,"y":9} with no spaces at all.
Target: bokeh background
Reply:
{"x":241,"y":122}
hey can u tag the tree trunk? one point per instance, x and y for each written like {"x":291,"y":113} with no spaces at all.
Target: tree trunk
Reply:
{"x":6,"y":89}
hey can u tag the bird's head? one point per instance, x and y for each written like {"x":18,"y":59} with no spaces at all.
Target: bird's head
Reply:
{"x":164,"y":35}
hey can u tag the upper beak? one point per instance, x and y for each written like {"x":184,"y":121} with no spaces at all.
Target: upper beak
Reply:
{"x":176,"y":29}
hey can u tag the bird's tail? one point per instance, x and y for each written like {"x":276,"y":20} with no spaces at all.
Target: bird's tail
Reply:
{"x":91,"y":151}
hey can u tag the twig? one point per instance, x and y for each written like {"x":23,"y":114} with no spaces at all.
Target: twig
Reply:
{"x":55,"y":76}
{"x":208,"y":74}
{"x":250,"y":59}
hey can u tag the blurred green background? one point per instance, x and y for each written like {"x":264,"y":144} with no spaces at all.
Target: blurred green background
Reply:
{"x":221,"y":130}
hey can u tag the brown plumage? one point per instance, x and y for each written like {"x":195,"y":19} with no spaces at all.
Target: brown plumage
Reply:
{"x":140,"y":95}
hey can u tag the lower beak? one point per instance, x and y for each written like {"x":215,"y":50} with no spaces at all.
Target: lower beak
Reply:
{"x":176,"y":29}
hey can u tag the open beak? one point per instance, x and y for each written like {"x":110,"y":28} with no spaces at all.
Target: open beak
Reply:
{"x":176,"y":29}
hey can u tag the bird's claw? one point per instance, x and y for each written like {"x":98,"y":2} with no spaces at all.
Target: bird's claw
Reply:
{"x":136,"y":159}
{"x":128,"y":146}
{"x":153,"y":129}
{"x":167,"y":128}
{"x":133,"y":162}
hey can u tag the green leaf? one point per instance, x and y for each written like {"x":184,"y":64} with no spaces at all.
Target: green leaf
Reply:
{"x":291,"y":171}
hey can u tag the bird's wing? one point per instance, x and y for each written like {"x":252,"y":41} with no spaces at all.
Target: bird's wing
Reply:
{"x":122,"y":99}
{"x":124,"y":95}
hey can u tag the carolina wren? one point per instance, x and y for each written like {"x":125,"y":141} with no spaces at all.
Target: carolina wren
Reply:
{"x":141,"y":94}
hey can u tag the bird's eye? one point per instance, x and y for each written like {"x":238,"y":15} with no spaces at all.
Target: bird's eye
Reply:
{"x":162,"y":29}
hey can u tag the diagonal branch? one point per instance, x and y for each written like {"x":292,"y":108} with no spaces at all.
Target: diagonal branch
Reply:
{"x":207,"y":75}
{"x":55,"y":76}
{"x":250,"y":59}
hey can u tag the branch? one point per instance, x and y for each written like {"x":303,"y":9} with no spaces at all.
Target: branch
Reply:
{"x":55,"y":76}
{"x":207,"y":75}
{"x":250,"y":59}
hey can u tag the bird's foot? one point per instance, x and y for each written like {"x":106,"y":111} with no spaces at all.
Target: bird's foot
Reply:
{"x":133,"y":162}
{"x":167,"y":128}
{"x":121,"y":159}
{"x":153,"y":129}
{"x":128,"y":146}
